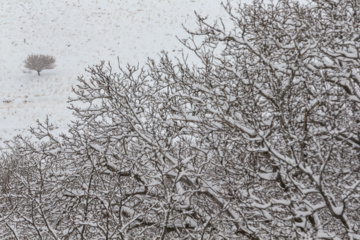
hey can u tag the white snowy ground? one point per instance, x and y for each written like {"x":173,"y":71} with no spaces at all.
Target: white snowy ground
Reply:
{"x":79,"y":33}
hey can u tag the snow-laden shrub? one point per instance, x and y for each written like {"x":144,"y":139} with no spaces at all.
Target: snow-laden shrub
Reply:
{"x":260,"y":141}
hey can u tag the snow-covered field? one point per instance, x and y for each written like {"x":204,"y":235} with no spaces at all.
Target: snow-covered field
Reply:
{"x":79,"y":33}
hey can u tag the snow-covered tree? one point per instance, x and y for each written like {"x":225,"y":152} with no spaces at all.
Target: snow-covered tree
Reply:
{"x":39,"y":62}
{"x":259,"y":141}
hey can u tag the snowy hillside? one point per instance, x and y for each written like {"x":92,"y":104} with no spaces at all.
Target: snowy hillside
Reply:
{"x":78,"y":34}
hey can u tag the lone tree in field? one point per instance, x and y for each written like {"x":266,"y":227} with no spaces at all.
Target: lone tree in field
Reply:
{"x":260,"y":140}
{"x":39,"y":62}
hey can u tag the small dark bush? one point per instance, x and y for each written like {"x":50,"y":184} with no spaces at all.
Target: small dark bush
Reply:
{"x":39,"y":62}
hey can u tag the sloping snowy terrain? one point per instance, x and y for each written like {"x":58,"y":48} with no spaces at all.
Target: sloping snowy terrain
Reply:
{"x":79,"y":33}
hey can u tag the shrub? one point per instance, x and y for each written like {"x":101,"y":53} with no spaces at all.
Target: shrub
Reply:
{"x":39,"y":62}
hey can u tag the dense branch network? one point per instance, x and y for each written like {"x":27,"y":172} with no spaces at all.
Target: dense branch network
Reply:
{"x":259,"y":141}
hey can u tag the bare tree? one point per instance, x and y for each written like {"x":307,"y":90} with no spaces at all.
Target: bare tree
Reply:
{"x":260,"y":141}
{"x":39,"y":62}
